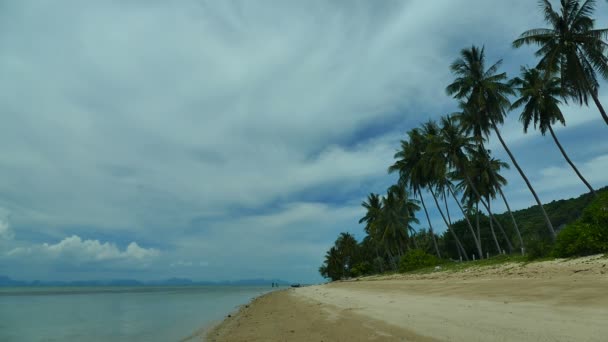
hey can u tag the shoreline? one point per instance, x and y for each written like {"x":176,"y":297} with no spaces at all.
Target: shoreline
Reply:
{"x":559,"y":300}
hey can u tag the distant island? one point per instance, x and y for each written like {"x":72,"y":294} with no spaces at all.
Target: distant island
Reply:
{"x":6,"y":281}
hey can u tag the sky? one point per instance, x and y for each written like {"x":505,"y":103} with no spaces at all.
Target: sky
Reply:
{"x":223,"y":140}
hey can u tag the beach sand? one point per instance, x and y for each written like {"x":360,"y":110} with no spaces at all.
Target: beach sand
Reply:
{"x":561,"y":300}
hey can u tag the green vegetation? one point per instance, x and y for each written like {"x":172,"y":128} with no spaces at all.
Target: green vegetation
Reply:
{"x":587,"y":235}
{"x":416,"y":259}
{"x":448,"y":160}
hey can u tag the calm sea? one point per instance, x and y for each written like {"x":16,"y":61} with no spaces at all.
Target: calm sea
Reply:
{"x":115,"y":313}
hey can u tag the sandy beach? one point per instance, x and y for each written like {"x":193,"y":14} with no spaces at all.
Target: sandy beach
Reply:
{"x":560,"y":300}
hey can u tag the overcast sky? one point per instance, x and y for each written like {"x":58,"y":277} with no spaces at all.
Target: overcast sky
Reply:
{"x":235,"y":139}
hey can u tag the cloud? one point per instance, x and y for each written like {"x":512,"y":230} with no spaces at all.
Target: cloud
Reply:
{"x":6,"y":233}
{"x":182,"y":263}
{"x":563,"y":176}
{"x":73,"y":249}
{"x":5,"y":230}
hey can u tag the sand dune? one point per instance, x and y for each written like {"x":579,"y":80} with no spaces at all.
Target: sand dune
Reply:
{"x":549,"y":301}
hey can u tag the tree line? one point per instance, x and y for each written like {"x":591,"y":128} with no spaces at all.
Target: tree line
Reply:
{"x":448,"y":158}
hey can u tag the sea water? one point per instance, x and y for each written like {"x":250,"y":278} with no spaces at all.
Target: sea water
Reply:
{"x":116,"y":313}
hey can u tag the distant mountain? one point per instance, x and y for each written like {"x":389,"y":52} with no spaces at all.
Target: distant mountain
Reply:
{"x":256,"y":282}
{"x":5,"y":281}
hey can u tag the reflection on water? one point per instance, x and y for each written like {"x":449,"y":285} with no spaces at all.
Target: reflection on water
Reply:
{"x":115,"y":313}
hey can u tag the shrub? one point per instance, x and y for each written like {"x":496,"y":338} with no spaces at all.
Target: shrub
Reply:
{"x":361,"y":269}
{"x":597,"y":212}
{"x":416,"y":259}
{"x":588,"y":235}
{"x":580,"y":238}
{"x":538,"y":247}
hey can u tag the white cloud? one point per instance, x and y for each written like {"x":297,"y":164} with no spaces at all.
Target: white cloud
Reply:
{"x":6,"y":233}
{"x":5,"y":230}
{"x":559,"y":177}
{"x":73,"y":249}
{"x":189,"y":263}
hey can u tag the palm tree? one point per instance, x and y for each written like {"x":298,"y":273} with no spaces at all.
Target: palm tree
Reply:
{"x":348,"y":248}
{"x":373,"y":208}
{"x":332,"y":267}
{"x":489,"y":173}
{"x":539,"y":96}
{"x":411,"y":170}
{"x":572,"y":48}
{"x":455,"y":146}
{"x":436,"y":170}
{"x":486,"y":94}
{"x":472,"y":122}
{"x":394,"y":223}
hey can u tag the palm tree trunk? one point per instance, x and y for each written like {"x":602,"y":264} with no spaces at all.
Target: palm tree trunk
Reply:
{"x":430,"y":225}
{"x":447,"y":211}
{"x":521,"y":241}
{"x":599,"y":106}
{"x":477,"y":222}
{"x":502,"y":231}
{"x":480,"y":199}
{"x":458,"y":245}
{"x":391,"y":258}
{"x":523,"y":175}
{"x":475,"y":238}
{"x":494,"y":233}
{"x":570,"y":161}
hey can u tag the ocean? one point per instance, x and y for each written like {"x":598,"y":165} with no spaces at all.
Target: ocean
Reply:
{"x":116,"y":313}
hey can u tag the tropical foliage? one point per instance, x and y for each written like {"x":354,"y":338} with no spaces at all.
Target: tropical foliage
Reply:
{"x":589,"y":234}
{"x":447,"y":161}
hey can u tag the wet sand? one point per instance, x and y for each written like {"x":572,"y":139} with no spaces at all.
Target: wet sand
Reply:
{"x":562,"y":300}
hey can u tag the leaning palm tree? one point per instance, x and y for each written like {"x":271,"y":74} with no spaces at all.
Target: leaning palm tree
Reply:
{"x":396,"y":218}
{"x":486,"y":94}
{"x":488,"y":169}
{"x":411,"y":171}
{"x":373,"y":208}
{"x":457,"y":146}
{"x":471,"y":122}
{"x":539,"y":97}
{"x":572,"y":48}
{"x":436,"y":172}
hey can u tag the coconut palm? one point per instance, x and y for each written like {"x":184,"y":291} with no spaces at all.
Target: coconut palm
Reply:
{"x":488,"y":169}
{"x":471,"y":122}
{"x":373,"y":208}
{"x":456,"y":145}
{"x":436,"y":170}
{"x":412,"y":172}
{"x":572,"y":48}
{"x":397,"y":215}
{"x":539,"y":97}
{"x":332,"y":267}
{"x":486,"y":96}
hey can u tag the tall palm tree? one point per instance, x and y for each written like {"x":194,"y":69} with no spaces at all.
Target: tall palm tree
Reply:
{"x":442,"y":188}
{"x":472,"y":122}
{"x":486,"y":94}
{"x":539,"y":97}
{"x":457,"y":145}
{"x":436,"y":170}
{"x":412,"y":172}
{"x":488,"y":169}
{"x":398,"y":213}
{"x":373,"y":208}
{"x":572,"y":48}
